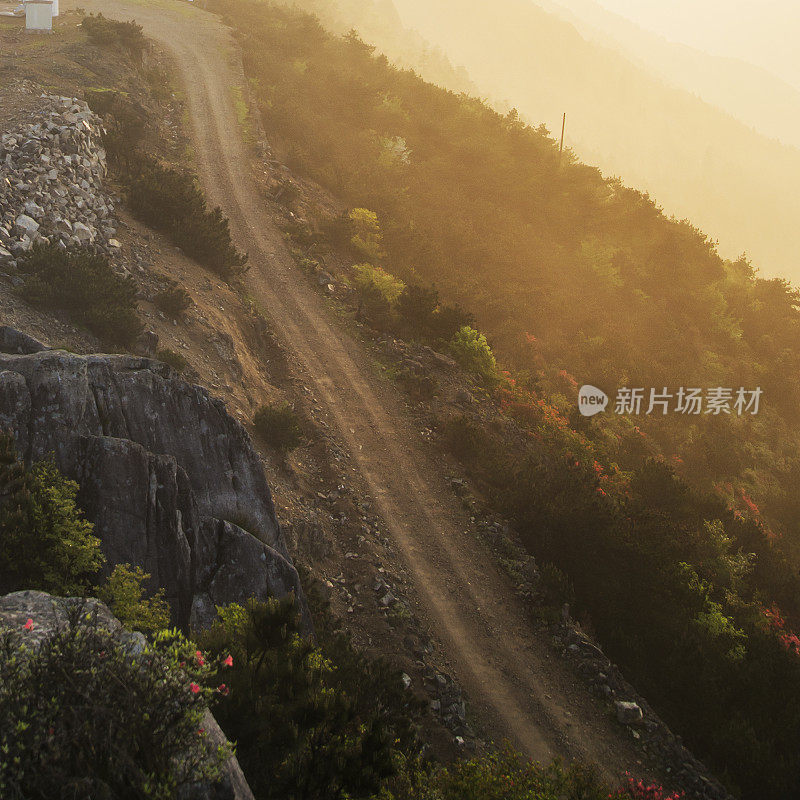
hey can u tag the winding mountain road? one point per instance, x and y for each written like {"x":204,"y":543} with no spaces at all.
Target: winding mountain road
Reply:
{"x":515,"y":685}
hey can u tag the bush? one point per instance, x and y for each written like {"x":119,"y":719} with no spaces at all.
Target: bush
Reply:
{"x":171,"y":201}
{"x":472,"y":351}
{"x":111,"y":32}
{"x":309,"y":722}
{"x":504,"y":775}
{"x":45,"y":543}
{"x":366,"y":238}
{"x":425,"y":317}
{"x":123,"y":594}
{"x":279,"y":426}
{"x":84,"y":286}
{"x":175,"y":360}
{"x":173,"y":301}
{"x":82,"y":717}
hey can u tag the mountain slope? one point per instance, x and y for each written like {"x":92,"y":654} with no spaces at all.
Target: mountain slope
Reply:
{"x":747,"y":92}
{"x":695,"y":160}
{"x":513,"y":683}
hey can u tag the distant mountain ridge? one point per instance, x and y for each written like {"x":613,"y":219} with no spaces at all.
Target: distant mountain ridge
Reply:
{"x":748,"y":92}
{"x":696,"y":160}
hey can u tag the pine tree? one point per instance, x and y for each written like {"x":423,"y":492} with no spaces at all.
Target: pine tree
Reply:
{"x":45,"y":542}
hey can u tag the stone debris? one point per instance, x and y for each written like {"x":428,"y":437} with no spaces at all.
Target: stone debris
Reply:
{"x":51,"y":182}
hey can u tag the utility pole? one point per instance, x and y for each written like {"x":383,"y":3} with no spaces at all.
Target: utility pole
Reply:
{"x":563,"y":128}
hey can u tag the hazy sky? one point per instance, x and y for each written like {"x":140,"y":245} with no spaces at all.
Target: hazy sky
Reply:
{"x":764,"y":32}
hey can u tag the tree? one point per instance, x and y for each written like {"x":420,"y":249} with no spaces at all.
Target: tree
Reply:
{"x":45,"y":543}
{"x":472,"y":351}
{"x":123,"y":593}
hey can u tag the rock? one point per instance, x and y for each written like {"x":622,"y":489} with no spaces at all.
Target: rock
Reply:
{"x":51,"y":613}
{"x":26,"y":225}
{"x":13,"y":341}
{"x":628,"y":713}
{"x":147,"y":344}
{"x":83,"y":233}
{"x":170,"y":480}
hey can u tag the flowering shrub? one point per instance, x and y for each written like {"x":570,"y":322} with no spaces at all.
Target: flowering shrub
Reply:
{"x":639,"y":790}
{"x":87,"y":716}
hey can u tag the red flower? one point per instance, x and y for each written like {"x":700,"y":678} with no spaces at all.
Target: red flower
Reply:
{"x":223,"y":689}
{"x":228,"y":662}
{"x":199,"y":656}
{"x":28,"y":625}
{"x":194,"y":687}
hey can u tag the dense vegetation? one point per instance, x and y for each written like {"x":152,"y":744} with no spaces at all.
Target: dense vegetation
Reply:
{"x":84,"y":285}
{"x":311,"y":721}
{"x":85,"y":715}
{"x":279,"y":426}
{"x":114,"y":33}
{"x":85,"y":718}
{"x":45,"y":542}
{"x":689,"y":581}
{"x":165,"y":197}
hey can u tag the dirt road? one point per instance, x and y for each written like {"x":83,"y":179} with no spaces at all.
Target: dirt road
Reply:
{"x":517,"y":688}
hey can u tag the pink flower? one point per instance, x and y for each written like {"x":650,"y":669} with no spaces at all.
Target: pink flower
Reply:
{"x":28,"y":625}
{"x":228,"y":662}
{"x":199,"y":656}
{"x":194,"y":687}
{"x":223,"y":689}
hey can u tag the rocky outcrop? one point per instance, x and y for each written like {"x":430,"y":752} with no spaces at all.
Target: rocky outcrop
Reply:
{"x":170,"y":480}
{"x":52,"y":614}
{"x":51,"y":176}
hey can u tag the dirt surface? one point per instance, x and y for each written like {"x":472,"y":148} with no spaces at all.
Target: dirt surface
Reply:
{"x":518,"y":689}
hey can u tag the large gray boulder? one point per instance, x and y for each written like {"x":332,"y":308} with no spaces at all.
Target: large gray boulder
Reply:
{"x":170,"y":480}
{"x":52,"y":614}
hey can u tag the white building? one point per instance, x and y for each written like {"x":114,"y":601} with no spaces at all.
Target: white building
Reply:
{"x":39,"y":15}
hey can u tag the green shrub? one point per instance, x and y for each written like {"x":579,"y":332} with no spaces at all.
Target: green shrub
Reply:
{"x":309,"y":722}
{"x":279,"y":426}
{"x":472,"y":351}
{"x":173,"y":301}
{"x":82,"y":717}
{"x":84,"y":286}
{"x":125,"y":121}
{"x":366,"y":276}
{"x":504,"y":775}
{"x":123,"y":593}
{"x":45,"y":543}
{"x":366,"y":238}
{"x":175,"y":360}
{"x":377,"y":292}
{"x":171,"y":201}
{"x":111,"y":32}
{"x":425,"y":317}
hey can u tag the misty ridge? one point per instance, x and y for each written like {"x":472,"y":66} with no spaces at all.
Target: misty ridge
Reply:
{"x":667,"y":119}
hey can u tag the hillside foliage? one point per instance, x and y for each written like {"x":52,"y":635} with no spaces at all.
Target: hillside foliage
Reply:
{"x":679,"y":533}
